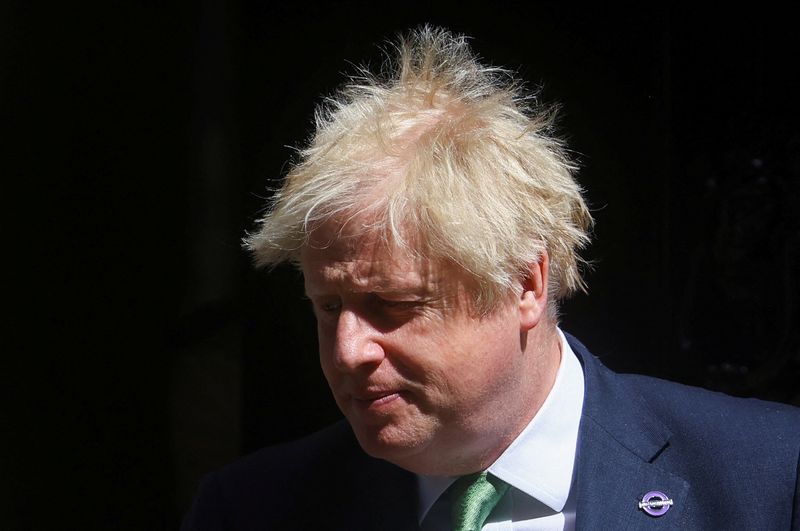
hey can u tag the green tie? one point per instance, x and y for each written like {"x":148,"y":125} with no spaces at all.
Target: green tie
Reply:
{"x":473,"y":498}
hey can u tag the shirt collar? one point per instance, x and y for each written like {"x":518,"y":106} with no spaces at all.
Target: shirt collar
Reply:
{"x":540,"y":461}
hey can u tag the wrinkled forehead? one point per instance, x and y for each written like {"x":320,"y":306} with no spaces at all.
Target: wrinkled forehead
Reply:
{"x":354,"y":256}
{"x":364,"y":250}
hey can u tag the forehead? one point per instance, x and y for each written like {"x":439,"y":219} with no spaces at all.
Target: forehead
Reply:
{"x":362,"y":260}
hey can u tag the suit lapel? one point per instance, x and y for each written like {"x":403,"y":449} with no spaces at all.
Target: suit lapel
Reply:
{"x":620,"y":441}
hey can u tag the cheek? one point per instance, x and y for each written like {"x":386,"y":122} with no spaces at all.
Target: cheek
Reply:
{"x":438,"y":359}
{"x":484,"y":356}
{"x":326,"y":342}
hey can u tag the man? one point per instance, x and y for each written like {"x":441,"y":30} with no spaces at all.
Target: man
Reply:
{"x":437,"y":226}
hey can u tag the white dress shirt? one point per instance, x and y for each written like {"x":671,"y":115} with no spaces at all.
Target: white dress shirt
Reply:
{"x":538,"y":465}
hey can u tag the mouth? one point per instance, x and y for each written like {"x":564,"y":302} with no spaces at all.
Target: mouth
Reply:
{"x":377,"y":396}
{"x":376,"y":401}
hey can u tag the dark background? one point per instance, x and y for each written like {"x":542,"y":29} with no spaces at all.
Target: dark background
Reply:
{"x":141,"y":350}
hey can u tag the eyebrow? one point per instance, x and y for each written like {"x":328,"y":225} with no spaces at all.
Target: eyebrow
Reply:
{"x":347,"y":282}
{"x":388,"y":289}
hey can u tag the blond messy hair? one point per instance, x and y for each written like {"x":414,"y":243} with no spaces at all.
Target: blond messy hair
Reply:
{"x":442,"y":156}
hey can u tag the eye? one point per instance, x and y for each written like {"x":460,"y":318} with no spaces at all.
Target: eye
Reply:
{"x":331,"y":306}
{"x":386,"y":303}
{"x":325,"y":306}
{"x":398,"y":305}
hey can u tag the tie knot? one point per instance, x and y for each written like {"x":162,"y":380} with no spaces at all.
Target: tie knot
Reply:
{"x":473,"y":498}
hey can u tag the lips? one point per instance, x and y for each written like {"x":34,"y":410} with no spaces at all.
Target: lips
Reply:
{"x":376,"y":402}
{"x":375,"y":395}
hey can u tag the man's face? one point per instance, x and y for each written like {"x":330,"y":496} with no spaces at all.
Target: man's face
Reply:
{"x":424,"y":381}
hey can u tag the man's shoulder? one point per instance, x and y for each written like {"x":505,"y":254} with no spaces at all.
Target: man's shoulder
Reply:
{"x":689,"y":407}
{"x":705,"y":417}
{"x":695,"y":431}
{"x":711,"y":417}
{"x":315,"y":454}
{"x":326,"y":462}
{"x":314,"y":482}
{"x":718,"y":440}
{"x":641,"y":433}
{"x":661,"y":393}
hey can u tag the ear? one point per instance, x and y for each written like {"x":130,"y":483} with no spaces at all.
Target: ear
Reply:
{"x":533,"y":299}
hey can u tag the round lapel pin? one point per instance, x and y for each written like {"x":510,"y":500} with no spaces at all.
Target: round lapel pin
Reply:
{"x":655,"y":503}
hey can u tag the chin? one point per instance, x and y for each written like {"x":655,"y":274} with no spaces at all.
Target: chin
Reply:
{"x":390,"y":443}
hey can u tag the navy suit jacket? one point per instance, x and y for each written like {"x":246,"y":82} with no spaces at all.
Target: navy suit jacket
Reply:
{"x":727,"y":463}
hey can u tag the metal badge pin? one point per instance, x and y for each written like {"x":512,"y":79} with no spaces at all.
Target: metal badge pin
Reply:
{"x":655,"y":503}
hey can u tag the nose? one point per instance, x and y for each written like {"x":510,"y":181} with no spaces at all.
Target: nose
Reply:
{"x":356,"y":345}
